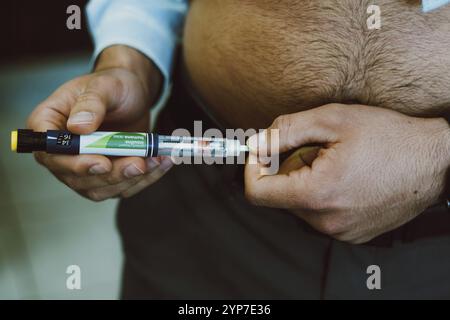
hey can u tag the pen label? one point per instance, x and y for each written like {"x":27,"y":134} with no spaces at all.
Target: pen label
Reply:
{"x":114,"y":143}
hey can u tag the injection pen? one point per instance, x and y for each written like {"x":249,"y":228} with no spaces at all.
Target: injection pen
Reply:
{"x":123,"y":144}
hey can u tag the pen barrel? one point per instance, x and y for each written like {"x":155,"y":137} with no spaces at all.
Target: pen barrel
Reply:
{"x":208,"y":147}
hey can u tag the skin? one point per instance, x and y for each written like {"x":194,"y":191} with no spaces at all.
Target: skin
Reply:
{"x":253,"y":60}
{"x":378,"y":167}
{"x":376,"y":170}
{"x":116,"y":96}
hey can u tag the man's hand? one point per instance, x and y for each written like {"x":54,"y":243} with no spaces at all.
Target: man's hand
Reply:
{"x":376,"y":169}
{"x":117,"y":97}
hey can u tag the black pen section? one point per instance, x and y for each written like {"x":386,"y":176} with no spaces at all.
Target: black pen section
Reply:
{"x":52,"y":141}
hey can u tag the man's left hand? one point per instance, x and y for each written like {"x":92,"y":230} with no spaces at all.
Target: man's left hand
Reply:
{"x":376,"y":169}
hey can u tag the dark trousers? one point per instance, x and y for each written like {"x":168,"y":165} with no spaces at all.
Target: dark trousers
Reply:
{"x":192,"y":235}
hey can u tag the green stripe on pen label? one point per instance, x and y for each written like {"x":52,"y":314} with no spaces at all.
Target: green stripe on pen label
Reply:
{"x":121,"y":140}
{"x":115,"y":143}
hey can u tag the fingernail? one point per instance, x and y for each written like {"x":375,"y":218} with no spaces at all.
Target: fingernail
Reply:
{"x":166,"y":164}
{"x":132,"y":171}
{"x":153,"y":163}
{"x":81,"y":118}
{"x":97,"y":169}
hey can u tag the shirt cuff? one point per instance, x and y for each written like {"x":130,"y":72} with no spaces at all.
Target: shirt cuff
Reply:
{"x":429,"y":5}
{"x":126,"y":25}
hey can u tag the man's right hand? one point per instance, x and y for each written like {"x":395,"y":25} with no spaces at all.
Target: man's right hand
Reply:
{"x":116,"y":97}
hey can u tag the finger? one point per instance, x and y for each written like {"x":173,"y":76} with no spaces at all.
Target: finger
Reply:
{"x":122,"y":170}
{"x":126,"y":168}
{"x":78,"y":183}
{"x":78,"y":165}
{"x":43,"y":119}
{"x":327,"y":222}
{"x":102,"y":93}
{"x":131,"y":186}
{"x":288,"y":132}
{"x":157,"y":170}
{"x":290,"y":190}
{"x":111,"y":191}
{"x":300,"y":158}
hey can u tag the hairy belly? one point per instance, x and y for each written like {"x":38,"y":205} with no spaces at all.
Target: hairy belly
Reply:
{"x":252,"y":60}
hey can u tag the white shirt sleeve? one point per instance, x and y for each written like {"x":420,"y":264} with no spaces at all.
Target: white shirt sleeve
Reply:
{"x":429,"y":5}
{"x":151,"y":26}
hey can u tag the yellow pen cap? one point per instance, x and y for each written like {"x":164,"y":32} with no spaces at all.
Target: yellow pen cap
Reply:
{"x":14,"y":140}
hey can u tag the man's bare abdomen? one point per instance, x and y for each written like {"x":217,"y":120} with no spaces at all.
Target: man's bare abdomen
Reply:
{"x":252,"y":60}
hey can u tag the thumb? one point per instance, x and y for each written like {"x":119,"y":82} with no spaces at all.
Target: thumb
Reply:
{"x":292,"y":131}
{"x":91,"y":105}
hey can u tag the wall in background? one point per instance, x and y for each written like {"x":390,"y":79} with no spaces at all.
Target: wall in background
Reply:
{"x":45,"y":226}
{"x":38,"y":28}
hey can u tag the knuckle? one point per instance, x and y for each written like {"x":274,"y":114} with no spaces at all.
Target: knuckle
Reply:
{"x":355,"y":241}
{"x":318,"y":202}
{"x":88,"y":98}
{"x":95,"y":196}
{"x":342,"y":237}
{"x":102,"y":78}
{"x":335,"y":199}
{"x":284,"y":124}
{"x":334,"y":115}
{"x":314,"y":205}
{"x":332,"y":226}
{"x":281,"y":121}
{"x":78,"y":168}
{"x":113,"y":179}
{"x":359,"y":241}
{"x":325,"y":197}
{"x":128,"y":194}
{"x":348,"y":238}
{"x":125,"y":195}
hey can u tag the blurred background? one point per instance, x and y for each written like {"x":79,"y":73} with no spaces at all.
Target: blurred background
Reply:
{"x":44,"y":226}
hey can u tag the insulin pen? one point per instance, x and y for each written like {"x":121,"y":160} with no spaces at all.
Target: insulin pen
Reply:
{"x":123,"y":144}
